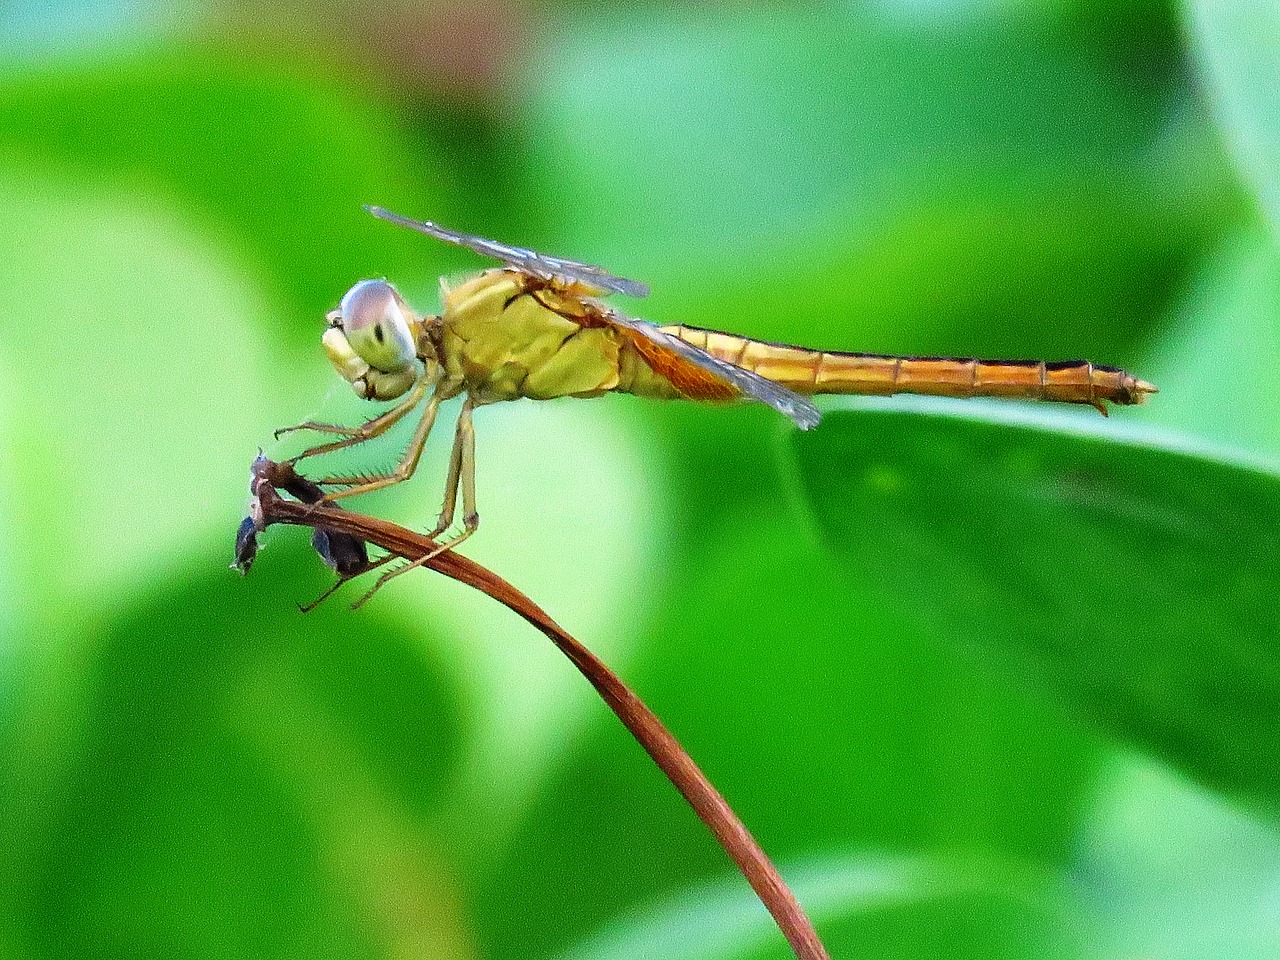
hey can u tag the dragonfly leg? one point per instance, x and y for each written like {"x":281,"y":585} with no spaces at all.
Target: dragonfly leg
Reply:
{"x":447,"y":509}
{"x":318,"y":428}
{"x":462,"y":471}
{"x":308,"y":607}
{"x":408,"y":463}
{"x":366,"y":431}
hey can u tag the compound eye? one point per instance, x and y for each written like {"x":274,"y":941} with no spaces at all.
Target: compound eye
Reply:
{"x":373,"y":317}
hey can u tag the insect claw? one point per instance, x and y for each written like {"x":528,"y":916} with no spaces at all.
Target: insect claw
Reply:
{"x":308,"y":607}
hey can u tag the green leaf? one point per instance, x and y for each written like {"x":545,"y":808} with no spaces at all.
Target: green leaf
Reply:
{"x":1133,"y":574}
{"x":918,"y":907}
{"x":1238,"y":46}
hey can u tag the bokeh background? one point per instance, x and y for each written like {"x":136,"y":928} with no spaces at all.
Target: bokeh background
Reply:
{"x":997,"y":683}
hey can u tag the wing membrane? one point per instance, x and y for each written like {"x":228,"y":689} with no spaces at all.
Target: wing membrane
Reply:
{"x":785,"y":401}
{"x":556,"y":269}
{"x":539,"y":265}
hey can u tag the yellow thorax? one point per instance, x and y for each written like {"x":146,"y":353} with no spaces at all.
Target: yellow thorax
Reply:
{"x":504,"y":343}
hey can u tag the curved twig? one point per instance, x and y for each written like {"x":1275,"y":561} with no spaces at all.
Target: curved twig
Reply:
{"x":343,"y":535}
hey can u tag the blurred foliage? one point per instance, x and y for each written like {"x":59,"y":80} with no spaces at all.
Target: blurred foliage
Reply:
{"x":950,"y":669}
{"x":1240,"y":62}
{"x":1141,"y":595}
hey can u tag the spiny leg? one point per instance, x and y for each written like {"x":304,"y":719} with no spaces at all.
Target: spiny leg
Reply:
{"x":366,"y":431}
{"x":451,"y":482}
{"x":462,"y":467}
{"x":408,"y":463}
{"x":471,"y":517}
{"x":388,"y":417}
{"x":342,"y":578}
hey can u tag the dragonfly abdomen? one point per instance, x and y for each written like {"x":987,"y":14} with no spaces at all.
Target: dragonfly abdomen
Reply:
{"x":817,"y":371}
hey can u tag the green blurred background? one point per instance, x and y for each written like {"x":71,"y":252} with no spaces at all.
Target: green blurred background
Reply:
{"x":1001,"y":683}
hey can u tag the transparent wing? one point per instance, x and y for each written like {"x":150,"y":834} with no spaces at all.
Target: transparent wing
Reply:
{"x":798,"y":408}
{"x":535,"y":264}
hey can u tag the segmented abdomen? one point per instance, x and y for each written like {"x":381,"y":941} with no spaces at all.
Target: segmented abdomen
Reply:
{"x":817,"y":371}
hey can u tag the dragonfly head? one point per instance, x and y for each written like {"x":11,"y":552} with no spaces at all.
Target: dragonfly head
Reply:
{"x":372,"y":340}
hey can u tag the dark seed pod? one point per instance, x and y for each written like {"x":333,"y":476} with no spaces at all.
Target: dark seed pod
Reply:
{"x":342,"y":553}
{"x":246,"y":545}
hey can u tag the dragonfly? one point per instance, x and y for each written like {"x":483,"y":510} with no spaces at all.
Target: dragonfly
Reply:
{"x":537,"y":327}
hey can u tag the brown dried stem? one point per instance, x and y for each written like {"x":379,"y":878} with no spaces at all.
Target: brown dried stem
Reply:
{"x":354,"y":529}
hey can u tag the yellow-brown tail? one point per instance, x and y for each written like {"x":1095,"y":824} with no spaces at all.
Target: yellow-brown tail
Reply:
{"x":816,"y":371}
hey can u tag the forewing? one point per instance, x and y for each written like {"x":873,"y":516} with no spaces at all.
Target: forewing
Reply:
{"x":798,"y":408}
{"x":540,"y":265}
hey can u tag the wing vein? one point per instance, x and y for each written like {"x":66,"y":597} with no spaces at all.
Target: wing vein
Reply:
{"x":540,"y":265}
{"x":799,"y":408}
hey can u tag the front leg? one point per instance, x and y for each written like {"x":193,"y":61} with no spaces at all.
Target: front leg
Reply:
{"x":408,"y":463}
{"x":366,"y":431}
